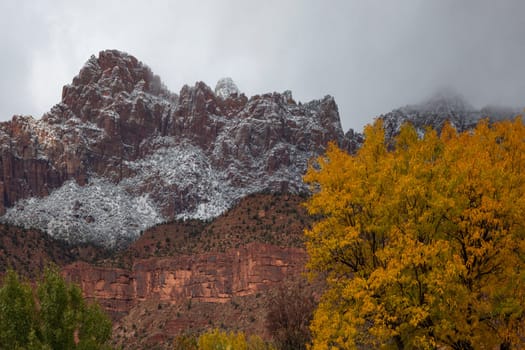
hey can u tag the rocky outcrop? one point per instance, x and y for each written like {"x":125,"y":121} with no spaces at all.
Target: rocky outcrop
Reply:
{"x":445,"y":106}
{"x":209,"y":277}
{"x":24,"y":172}
{"x":109,"y":109}
{"x":120,"y":140}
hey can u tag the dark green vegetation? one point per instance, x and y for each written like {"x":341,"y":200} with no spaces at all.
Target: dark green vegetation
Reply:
{"x":49,"y":315}
{"x":277,"y":219}
{"x":29,"y":251}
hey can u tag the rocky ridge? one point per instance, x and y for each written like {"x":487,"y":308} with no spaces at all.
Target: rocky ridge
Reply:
{"x":121,"y":153}
{"x":445,"y":106}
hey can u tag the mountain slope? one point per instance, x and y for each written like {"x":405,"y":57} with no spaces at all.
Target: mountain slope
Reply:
{"x":444,"y":106}
{"x":29,"y":251}
{"x":183,"y":276}
{"x":189,"y":276}
{"x":120,"y":153}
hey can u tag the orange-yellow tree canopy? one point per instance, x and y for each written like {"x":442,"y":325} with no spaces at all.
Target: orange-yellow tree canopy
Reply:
{"x":422,"y":246}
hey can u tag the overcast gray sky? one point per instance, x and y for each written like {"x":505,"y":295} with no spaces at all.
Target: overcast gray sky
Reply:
{"x":372,"y":56}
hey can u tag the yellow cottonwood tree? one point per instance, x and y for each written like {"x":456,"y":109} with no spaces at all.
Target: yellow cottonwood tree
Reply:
{"x":422,"y":245}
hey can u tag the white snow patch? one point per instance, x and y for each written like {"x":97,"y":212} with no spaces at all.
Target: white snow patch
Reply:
{"x":225,"y":88}
{"x":100,"y":212}
{"x":257,"y":151}
{"x":182,"y":174}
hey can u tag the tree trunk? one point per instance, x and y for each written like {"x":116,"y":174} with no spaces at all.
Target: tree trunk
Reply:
{"x":399,"y":342}
{"x":504,"y":346}
{"x":462,"y":345}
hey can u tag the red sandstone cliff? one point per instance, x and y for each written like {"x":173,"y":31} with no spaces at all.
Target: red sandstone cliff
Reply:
{"x":209,"y":277}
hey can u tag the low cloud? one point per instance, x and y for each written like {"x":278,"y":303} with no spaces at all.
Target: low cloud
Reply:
{"x":372,"y":56}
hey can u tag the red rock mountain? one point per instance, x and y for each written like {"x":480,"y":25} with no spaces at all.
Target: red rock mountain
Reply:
{"x":183,"y":276}
{"x":120,"y":153}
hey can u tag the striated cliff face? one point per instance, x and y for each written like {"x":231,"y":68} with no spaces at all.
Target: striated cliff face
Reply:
{"x":209,"y":277}
{"x":120,"y":153}
{"x":183,"y":276}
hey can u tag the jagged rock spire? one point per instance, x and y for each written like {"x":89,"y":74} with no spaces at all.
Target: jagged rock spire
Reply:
{"x":225,"y":88}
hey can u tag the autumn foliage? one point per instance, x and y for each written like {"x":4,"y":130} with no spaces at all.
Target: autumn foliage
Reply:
{"x":216,"y":339}
{"x":423,"y":243}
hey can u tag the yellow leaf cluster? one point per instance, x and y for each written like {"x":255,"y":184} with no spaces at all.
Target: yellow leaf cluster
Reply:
{"x":221,"y":340}
{"x":422,"y":245}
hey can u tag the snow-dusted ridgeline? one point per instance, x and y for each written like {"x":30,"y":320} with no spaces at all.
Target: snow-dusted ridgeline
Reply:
{"x":120,"y":153}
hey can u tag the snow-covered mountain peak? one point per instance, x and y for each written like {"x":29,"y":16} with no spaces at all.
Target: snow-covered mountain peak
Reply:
{"x":445,"y":105}
{"x":225,"y":88}
{"x":445,"y":101}
{"x":121,"y":151}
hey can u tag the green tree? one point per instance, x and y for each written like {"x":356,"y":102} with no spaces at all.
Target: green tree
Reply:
{"x":17,"y":316}
{"x":56,"y":317}
{"x":423,"y":246}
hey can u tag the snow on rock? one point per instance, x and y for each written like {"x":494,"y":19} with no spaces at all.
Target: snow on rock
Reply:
{"x":100,"y":212}
{"x":225,"y":88}
{"x":180,"y":174}
{"x":445,"y":105}
{"x":445,"y":101}
{"x":120,"y":153}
